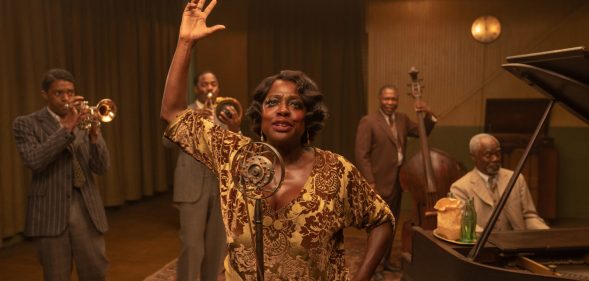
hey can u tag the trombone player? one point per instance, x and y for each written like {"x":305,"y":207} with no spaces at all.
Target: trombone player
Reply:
{"x":65,"y":214}
{"x":196,"y":190}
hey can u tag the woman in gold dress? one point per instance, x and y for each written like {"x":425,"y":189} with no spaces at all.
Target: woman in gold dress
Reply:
{"x":322,"y":192}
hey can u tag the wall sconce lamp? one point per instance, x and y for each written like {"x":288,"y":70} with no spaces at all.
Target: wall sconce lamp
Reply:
{"x":486,"y":29}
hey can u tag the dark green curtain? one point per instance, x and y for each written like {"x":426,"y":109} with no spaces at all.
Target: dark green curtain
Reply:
{"x":116,"y":49}
{"x":325,"y":39}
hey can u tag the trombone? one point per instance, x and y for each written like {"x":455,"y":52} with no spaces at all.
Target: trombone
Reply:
{"x":105,"y":111}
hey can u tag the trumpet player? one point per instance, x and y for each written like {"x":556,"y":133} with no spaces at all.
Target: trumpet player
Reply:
{"x":65,"y":213}
{"x":196,"y":194}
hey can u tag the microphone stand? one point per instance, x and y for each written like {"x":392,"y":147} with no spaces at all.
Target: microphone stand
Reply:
{"x":253,"y":168}
{"x":259,"y":239}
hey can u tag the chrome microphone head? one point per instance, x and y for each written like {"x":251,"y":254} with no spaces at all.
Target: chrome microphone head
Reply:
{"x":257,"y":170}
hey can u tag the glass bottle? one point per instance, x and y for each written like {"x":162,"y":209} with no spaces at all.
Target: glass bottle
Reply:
{"x":468,"y":222}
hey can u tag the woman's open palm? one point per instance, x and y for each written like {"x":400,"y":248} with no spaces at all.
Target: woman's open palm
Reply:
{"x":194,"y":21}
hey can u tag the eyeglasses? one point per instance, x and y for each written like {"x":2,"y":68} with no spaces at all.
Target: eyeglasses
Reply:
{"x":59,"y":93}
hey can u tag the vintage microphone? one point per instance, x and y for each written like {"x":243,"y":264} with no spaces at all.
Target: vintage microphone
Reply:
{"x":257,"y":170}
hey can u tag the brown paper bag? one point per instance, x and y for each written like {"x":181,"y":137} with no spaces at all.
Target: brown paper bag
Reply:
{"x":449,"y":217}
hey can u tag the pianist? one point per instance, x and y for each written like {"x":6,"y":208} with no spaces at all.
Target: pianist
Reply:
{"x":487,"y":182}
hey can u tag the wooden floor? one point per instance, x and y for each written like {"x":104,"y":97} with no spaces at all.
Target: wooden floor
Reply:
{"x":143,"y":237}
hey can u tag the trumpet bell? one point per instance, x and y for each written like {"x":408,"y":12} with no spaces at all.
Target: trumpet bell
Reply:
{"x":105,"y":110}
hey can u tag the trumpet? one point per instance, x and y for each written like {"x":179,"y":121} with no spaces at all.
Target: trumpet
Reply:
{"x":105,"y":111}
{"x":222,"y":104}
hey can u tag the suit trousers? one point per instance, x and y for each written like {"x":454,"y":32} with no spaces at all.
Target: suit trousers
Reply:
{"x":394,"y":200}
{"x":202,"y":237}
{"x":394,"y":203}
{"x":80,"y":243}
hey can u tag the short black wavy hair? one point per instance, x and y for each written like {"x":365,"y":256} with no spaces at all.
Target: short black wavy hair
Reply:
{"x":388,"y":86}
{"x":54,"y":75}
{"x":198,"y":75}
{"x":308,"y":91}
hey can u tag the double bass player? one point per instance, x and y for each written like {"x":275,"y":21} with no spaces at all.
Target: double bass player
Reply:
{"x":380,"y":149}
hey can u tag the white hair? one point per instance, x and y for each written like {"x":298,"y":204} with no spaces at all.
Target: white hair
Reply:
{"x":475,"y":142}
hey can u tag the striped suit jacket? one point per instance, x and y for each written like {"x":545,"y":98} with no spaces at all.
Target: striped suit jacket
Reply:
{"x":45,"y":148}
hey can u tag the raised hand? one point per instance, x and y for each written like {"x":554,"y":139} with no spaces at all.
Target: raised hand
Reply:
{"x":194,"y":21}
{"x":193,"y":27}
{"x":420,"y":105}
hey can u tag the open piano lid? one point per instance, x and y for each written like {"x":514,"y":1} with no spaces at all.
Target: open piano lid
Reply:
{"x":562,"y":75}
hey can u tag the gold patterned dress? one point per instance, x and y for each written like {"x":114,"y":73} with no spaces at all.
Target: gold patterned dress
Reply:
{"x":302,"y":240}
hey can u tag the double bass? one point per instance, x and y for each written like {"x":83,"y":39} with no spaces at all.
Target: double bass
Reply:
{"x":427,"y":175}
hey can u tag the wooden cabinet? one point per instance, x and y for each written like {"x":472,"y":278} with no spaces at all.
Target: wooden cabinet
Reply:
{"x":540,"y":169}
{"x":512,"y":122}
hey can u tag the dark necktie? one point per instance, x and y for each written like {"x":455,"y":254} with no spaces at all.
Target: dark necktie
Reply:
{"x":78,"y":177}
{"x":396,"y":138}
{"x":503,"y":222}
{"x":493,"y":188}
{"x":78,"y":174}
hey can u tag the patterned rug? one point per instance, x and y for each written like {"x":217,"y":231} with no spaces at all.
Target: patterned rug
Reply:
{"x":166,"y":273}
{"x":354,"y":252}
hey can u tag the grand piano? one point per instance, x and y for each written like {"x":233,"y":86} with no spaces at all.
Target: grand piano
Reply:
{"x":539,"y":255}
